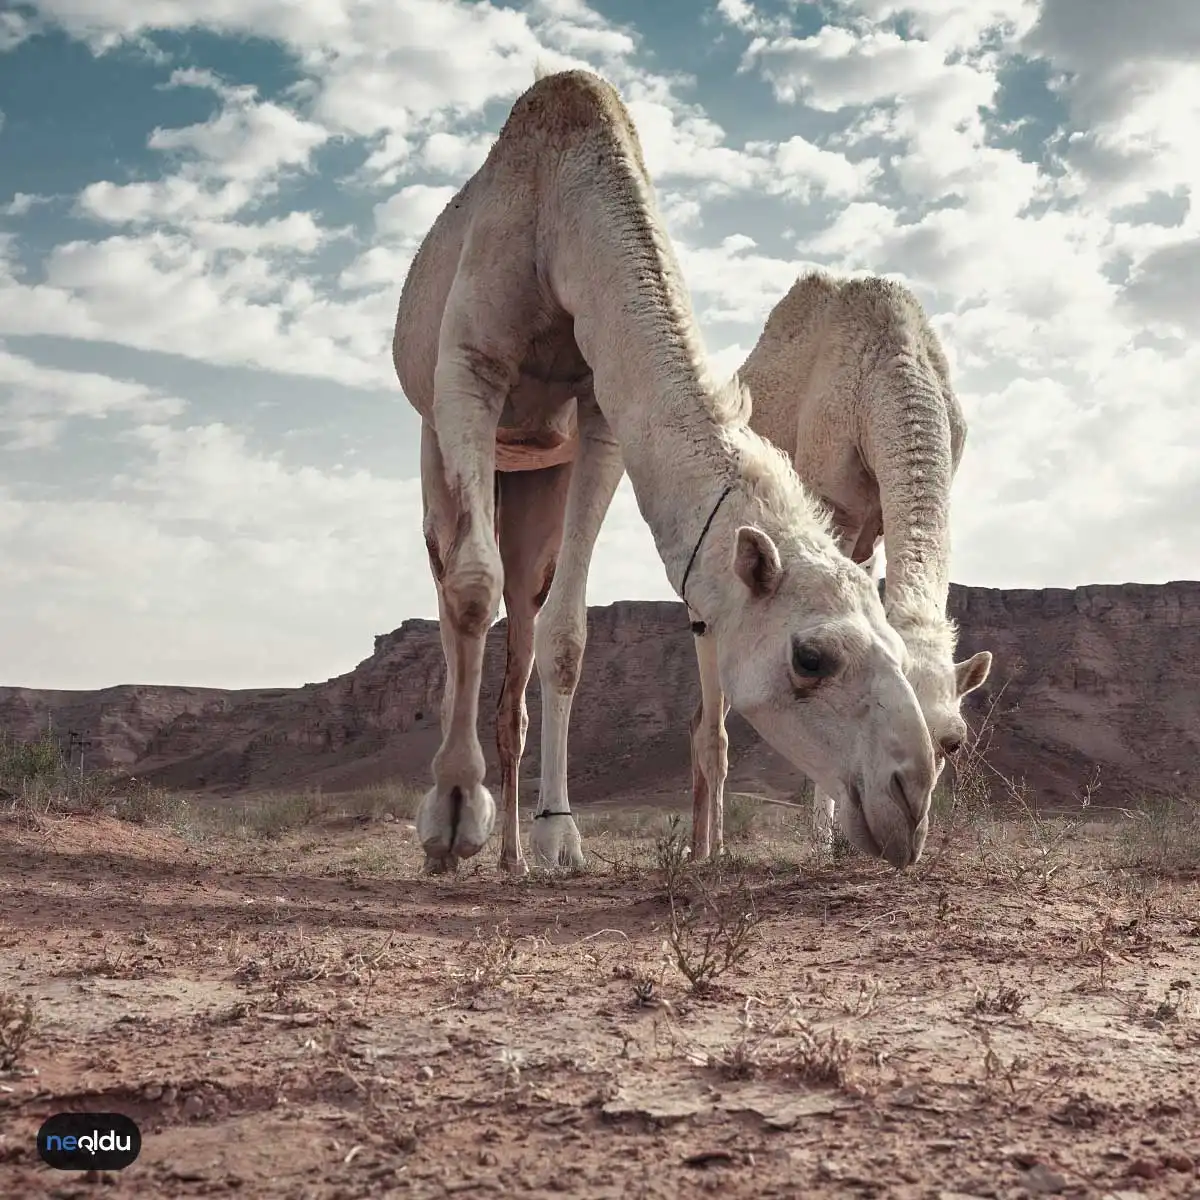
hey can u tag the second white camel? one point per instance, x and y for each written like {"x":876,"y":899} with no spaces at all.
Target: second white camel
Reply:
{"x":850,"y":381}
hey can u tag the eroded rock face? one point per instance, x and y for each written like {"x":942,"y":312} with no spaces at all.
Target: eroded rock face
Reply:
{"x":1103,"y":677}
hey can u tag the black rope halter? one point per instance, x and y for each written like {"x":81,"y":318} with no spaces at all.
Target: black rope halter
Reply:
{"x":699,"y":628}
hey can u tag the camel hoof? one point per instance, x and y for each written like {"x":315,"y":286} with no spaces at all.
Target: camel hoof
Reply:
{"x":516,"y":868}
{"x":554,"y":843}
{"x":439,"y":864}
{"x":455,"y":822}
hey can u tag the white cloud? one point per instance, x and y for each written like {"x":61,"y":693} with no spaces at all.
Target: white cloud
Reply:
{"x":247,"y":140}
{"x":36,"y":402}
{"x":23,"y":203}
{"x":1162,"y":287}
{"x":1098,"y":484}
{"x":15,"y":28}
{"x":167,"y":292}
{"x":835,"y":68}
{"x":172,"y":200}
{"x":1131,"y":74}
{"x":955,"y":24}
{"x":411,"y":211}
{"x":454,"y":154}
{"x":230,"y":565}
{"x":801,"y":168}
{"x":234,"y":159}
{"x":1068,"y":318}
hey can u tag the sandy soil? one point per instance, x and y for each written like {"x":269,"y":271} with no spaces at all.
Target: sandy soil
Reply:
{"x":304,"y":1017}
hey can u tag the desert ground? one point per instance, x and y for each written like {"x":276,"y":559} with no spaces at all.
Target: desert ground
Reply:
{"x":288,"y":1009}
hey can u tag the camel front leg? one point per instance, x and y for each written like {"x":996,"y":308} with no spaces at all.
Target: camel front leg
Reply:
{"x":710,"y":754}
{"x":561,"y":632}
{"x":456,"y":816}
{"x":823,"y":809}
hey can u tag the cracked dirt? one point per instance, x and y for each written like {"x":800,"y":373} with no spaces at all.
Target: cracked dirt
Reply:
{"x":304,"y":1017}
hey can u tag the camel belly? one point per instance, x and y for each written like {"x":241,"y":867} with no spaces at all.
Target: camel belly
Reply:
{"x":520,"y":450}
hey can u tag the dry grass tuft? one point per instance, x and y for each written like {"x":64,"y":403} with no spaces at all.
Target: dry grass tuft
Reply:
{"x":781,"y":1044}
{"x":1002,"y":1000}
{"x":485,"y":962}
{"x":18,"y":1020}
{"x":1160,"y":837}
{"x":37,"y":781}
{"x":997,"y":1071}
{"x":709,"y":932}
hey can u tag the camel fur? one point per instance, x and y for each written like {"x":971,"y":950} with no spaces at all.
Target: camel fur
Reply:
{"x":544,"y":315}
{"x":850,"y":381}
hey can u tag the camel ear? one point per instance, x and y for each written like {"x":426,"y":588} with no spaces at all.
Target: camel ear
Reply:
{"x":971,"y":673}
{"x":870,"y":566}
{"x":756,"y":562}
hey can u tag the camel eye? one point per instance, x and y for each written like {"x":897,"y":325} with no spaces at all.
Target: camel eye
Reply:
{"x":808,"y":662}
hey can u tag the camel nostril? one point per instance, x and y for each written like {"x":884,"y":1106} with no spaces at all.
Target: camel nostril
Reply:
{"x":951,"y":745}
{"x":896,"y":788}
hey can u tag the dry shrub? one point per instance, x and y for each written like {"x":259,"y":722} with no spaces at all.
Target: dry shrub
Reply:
{"x":783,"y":1045}
{"x":710,"y":931}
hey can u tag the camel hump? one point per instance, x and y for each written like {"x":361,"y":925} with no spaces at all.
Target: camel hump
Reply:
{"x":569,"y":105}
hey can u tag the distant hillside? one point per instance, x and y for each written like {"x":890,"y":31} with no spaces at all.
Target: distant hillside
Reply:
{"x":1101,"y":676}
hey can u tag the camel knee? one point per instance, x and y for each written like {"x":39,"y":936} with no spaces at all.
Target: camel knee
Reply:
{"x":512,"y":725}
{"x":710,"y":744}
{"x":471,"y":585}
{"x":559,"y":651}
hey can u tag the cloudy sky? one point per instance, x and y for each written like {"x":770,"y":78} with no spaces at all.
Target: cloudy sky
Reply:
{"x":207,"y":209}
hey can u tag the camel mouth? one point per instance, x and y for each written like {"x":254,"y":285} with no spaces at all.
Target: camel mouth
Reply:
{"x":902,"y":851}
{"x":899,"y":797}
{"x":872,"y":846}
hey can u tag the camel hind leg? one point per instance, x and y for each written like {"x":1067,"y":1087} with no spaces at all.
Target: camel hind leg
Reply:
{"x":529,"y":529}
{"x":561,"y":631}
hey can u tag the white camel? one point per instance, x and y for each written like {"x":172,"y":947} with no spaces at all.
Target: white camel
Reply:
{"x":850,"y":381}
{"x":544,"y":321}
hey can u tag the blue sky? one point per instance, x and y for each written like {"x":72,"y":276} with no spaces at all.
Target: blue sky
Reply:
{"x":209,"y":471}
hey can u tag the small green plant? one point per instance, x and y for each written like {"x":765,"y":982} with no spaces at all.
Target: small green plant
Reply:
{"x":25,"y":762}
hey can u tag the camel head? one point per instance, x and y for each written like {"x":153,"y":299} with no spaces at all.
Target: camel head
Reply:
{"x":940,"y":683}
{"x":807,"y":656}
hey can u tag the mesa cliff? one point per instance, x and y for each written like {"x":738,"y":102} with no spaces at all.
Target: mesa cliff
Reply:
{"x":1093,"y":679}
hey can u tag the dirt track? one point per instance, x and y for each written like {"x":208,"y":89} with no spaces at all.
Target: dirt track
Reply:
{"x":306,"y":1018}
